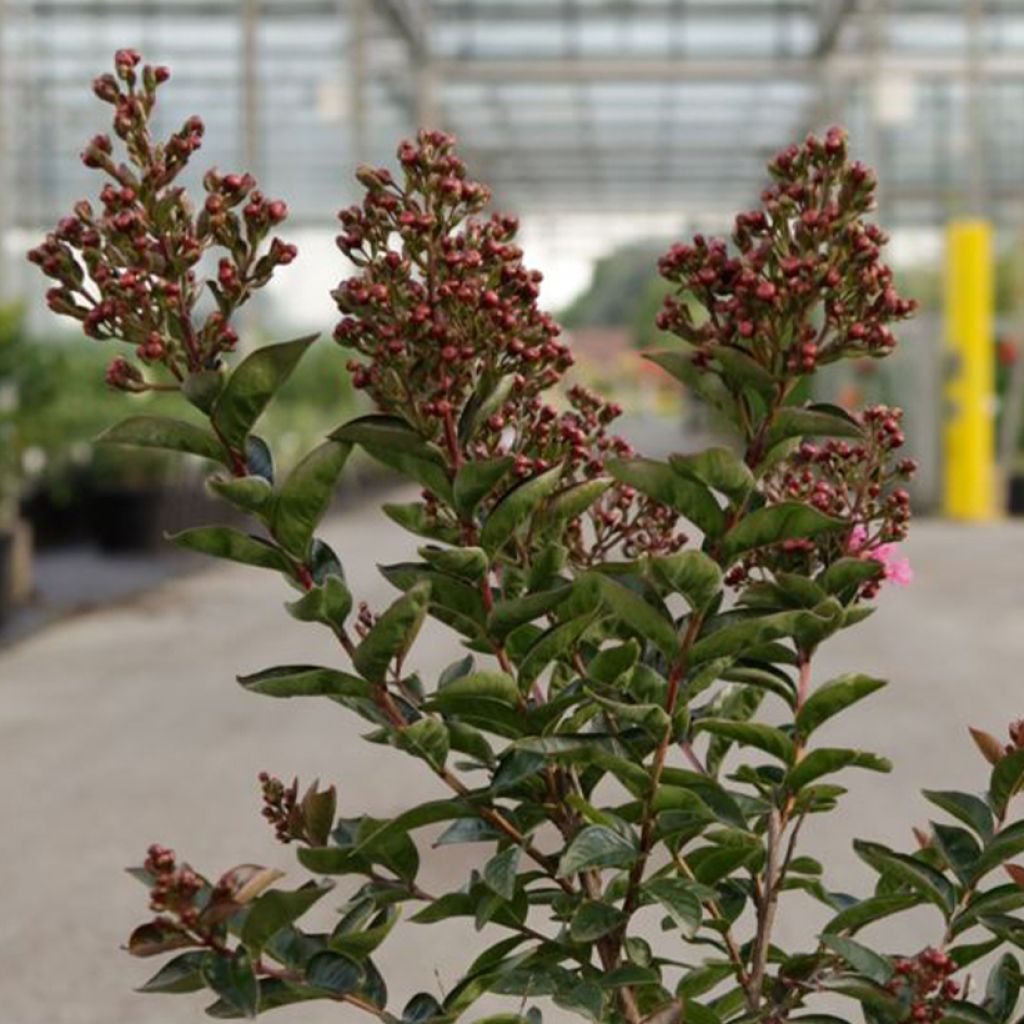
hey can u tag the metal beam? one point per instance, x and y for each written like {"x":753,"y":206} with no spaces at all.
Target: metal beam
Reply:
{"x":400,"y":14}
{"x":726,"y":69}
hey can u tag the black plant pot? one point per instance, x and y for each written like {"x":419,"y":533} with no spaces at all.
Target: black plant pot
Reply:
{"x":1015,"y":495}
{"x":126,"y":519}
{"x":6,"y":574}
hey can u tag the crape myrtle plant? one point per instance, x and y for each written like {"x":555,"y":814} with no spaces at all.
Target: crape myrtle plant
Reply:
{"x":627,"y":730}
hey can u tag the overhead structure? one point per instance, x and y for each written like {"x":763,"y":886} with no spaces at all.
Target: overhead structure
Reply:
{"x":591,"y":105}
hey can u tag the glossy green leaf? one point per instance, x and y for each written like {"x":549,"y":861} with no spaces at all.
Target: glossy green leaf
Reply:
{"x":252,"y":385}
{"x":690,"y":573}
{"x":306,"y":494}
{"x":225,"y":542}
{"x":428,"y":739}
{"x":751,"y":734}
{"x":233,"y":979}
{"x":833,"y":697}
{"x":500,"y":872}
{"x":516,"y":508}
{"x":165,"y":433}
{"x":306,"y":681}
{"x":969,"y":809}
{"x":826,"y":760}
{"x":572,"y":502}
{"x":718,"y":468}
{"x":182,"y":974}
{"x":596,"y":846}
{"x":875,"y":908}
{"x":392,"y":634}
{"x":1002,"y":990}
{"x":273,"y":910}
{"x":476,"y":480}
{"x":773,"y":524}
{"x":251,"y":494}
{"x":649,"y":623}
{"x":869,"y":963}
{"x":329,"y":602}
{"x":678,"y":899}
{"x":1007,"y":779}
{"x":593,"y":920}
{"x":921,"y":877}
{"x":865,"y":991}
{"x":507,"y":615}
{"x":157,"y":937}
{"x":334,"y":973}
{"x":827,"y":421}
{"x":659,"y":481}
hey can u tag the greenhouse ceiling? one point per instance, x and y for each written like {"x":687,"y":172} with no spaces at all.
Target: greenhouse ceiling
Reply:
{"x":588,"y":105}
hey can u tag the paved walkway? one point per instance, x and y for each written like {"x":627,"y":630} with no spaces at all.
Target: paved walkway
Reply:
{"x":123,"y":726}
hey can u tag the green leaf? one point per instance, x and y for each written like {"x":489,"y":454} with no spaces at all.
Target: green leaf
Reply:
{"x":659,"y":481}
{"x":1003,"y":988}
{"x":677,"y":897}
{"x":395,"y":443}
{"x":959,"y":849}
{"x":484,"y":687}
{"x":1006,"y":843}
{"x":875,"y":908}
{"x":428,"y":739}
{"x":330,"y":602}
{"x":334,"y":972}
{"x":965,"y":1013}
{"x":967,"y":808}
{"x":201,"y":389}
{"x":275,"y":909}
{"x":826,"y":760}
{"x":251,"y":494}
{"x":182,"y":974}
{"x":593,"y":919}
{"x":690,"y":573}
{"x":162,"y":432}
{"x":628,"y":606}
{"x":157,"y":937}
{"x":776,"y":523}
{"x":742,"y":368}
{"x":1007,"y":779}
{"x":273,"y":993}
{"x":866,"y":961}
{"x":306,"y":681}
{"x":224,"y":542}
{"x":921,"y":877}
{"x":679,"y":363}
{"x":865,"y":991}
{"x":392,"y":634}
{"x":306,"y":495}
{"x":421,"y":1008}
{"x":718,"y":468}
{"x":233,"y":979}
{"x":550,"y":645}
{"x":596,"y":846}
{"x":572,"y":502}
{"x":516,"y":507}
{"x":833,"y":697}
{"x":507,"y":615}
{"x":466,"y":563}
{"x":849,"y":574}
{"x":829,"y":421}
{"x":751,"y":734}
{"x":500,"y":872}
{"x":475,"y":480}
{"x":252,"y":385}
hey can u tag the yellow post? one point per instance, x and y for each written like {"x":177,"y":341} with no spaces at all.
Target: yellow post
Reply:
{"x":970,"y":486}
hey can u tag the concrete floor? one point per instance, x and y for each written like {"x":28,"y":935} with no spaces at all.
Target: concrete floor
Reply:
{"x":123,"y":726}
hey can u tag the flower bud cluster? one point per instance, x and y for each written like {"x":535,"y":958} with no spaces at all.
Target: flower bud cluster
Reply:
{"x":129,"y":269}
{"x":442,"y":305}
{"x":858,"y":481}
{"x":444,"y":314}
{"x":924,"y":982}
{"x":280,"y":807}
{"x":804,"y":284}
{"x":175,"y":888}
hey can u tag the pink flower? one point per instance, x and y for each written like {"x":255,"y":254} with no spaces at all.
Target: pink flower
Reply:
{"x":897,"y":569}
